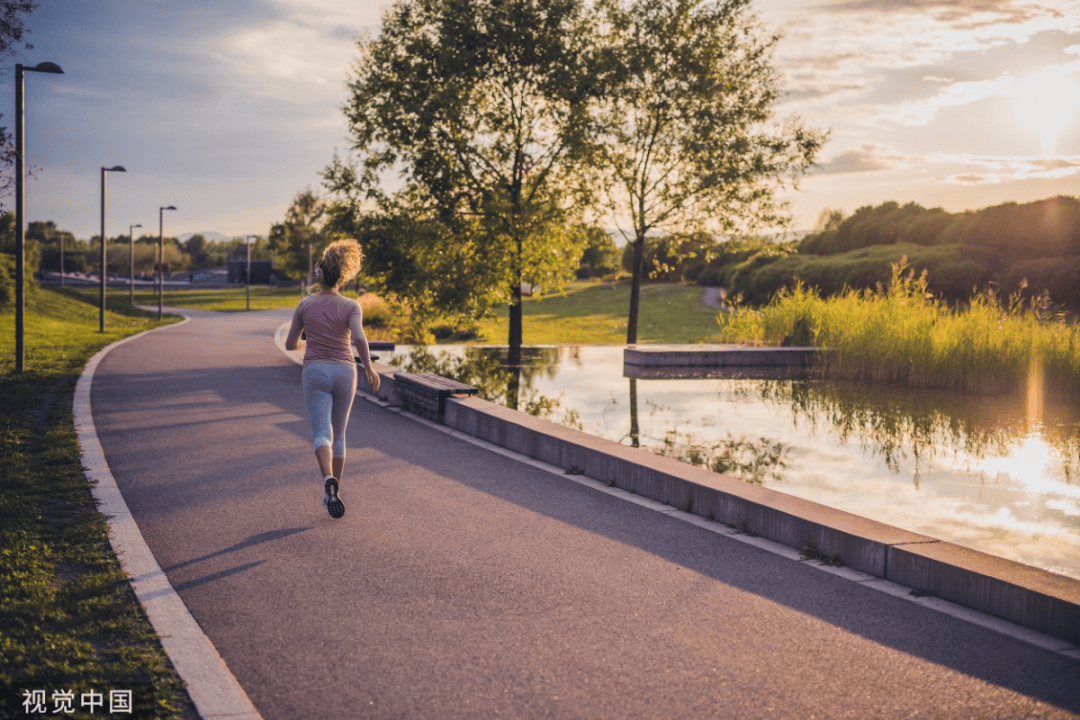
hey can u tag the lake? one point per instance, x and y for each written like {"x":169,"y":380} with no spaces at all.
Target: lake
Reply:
{"x":997,"y":474}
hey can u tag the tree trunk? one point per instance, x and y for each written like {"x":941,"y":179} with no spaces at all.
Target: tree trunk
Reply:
{"x":635,"y":290}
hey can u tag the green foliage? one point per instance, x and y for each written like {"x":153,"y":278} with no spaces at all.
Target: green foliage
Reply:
{"x":1045,"y":228}
{"x":901,"y":334}
{"x":673,"y":258}
{"x":481,"y":107}
{"x":299,"y":239}
{"x":7,"y":282}
{"x":887,"y":224}
{"x":600,"y":256}
{"x":732,"y":264}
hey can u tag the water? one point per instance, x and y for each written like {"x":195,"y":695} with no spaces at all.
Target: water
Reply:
{"x":1000,"y":475}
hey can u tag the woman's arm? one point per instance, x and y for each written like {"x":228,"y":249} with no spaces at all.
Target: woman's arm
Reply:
{"x":293,"y":341}
{"x":359,"y":340}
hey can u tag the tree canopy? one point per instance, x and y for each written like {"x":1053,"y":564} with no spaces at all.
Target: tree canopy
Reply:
{"x":13,"y":14}
{"x":295,"y":239}
{"x":480,"y":107}
{"x":688,"y":142}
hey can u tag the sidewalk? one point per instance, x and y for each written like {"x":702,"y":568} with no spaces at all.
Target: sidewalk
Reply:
{"x":467,"y":583}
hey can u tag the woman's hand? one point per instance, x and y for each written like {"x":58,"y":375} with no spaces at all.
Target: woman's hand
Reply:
{"x":373,"y":378}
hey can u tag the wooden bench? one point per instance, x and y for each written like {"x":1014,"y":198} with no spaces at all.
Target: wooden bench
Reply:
{"x":425,"y":393}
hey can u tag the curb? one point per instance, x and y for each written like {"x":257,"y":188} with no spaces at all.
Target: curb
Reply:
{"x":212,"y":687}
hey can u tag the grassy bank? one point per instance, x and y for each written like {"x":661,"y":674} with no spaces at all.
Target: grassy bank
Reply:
{"x":594,"y":313}
{"x":904,"y":336}
{"x":69,"y":621}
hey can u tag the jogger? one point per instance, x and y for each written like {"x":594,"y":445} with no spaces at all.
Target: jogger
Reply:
{"x":333,"y":326}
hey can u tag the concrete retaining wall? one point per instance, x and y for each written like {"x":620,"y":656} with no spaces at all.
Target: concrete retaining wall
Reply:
{"x":1019,"y":593}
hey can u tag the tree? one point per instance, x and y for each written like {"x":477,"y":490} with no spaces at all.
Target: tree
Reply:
{"x":13,"y":14}
{"x":196,"y":248}
{"x":481,"y":105}
{"x":600,"y":256}
{"x":689,"y":141}
{"x":294,"y":240}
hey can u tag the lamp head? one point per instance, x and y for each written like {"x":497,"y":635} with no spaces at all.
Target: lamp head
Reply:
{"x":170,"y":207}
{"x":115,"y":168}
{"x":46,"y":67}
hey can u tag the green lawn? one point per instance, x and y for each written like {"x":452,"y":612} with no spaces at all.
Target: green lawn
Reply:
{"x":69,"y":620}
{"x":594,"y":313}
{"x":587,"y":313}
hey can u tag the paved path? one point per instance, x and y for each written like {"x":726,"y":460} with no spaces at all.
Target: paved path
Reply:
{"x":462,"y":583}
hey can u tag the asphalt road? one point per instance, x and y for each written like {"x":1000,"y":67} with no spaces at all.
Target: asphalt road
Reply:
{"x":465,"y":584}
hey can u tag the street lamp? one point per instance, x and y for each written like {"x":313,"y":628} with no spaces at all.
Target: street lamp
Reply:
{"x":20,"y":201}
{"x":131,"y":255}
{"x":161,"y":256}
{"x":104,"y":244}
{"x":249,"y":239}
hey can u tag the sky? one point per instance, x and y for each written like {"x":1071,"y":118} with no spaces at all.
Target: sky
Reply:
{"x":228,"y":110}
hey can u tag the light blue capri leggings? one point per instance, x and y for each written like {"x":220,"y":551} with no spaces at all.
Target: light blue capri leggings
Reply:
{"x":329,"y":389}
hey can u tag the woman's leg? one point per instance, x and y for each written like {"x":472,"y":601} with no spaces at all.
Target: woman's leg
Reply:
{"x":318,"y":393}
{"x":344,"y":393}
{"x":326,"y":467}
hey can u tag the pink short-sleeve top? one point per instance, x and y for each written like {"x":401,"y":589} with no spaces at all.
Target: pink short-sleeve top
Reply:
{"x":326,"y":318}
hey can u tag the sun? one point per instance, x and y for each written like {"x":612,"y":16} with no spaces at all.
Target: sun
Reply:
{"x":1045,"y":103}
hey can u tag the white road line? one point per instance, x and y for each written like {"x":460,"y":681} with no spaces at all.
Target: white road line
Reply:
{"x":210,"y":684}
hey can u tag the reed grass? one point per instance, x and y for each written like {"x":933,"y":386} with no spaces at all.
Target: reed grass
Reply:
{"x":903,"y":335}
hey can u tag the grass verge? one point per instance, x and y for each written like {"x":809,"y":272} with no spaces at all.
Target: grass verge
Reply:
{"x":69,"y":620}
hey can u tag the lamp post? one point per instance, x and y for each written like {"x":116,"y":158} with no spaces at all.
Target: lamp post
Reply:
{"x":131,"y":256}
{"x":20,"y":201}
{"x":104,"y":244}
{"x":249,"y":239}
{"x":161,"y":256}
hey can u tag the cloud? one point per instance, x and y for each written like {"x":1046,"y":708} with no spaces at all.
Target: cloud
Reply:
{"x":986,"y":170}
{"x":868,"y":157}
{"x":831,"y":50}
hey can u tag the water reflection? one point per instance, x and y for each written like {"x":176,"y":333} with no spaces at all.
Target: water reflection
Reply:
{"x":995,"y":474}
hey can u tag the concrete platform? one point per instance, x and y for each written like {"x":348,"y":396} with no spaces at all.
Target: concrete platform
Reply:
{"x":718,"y":356}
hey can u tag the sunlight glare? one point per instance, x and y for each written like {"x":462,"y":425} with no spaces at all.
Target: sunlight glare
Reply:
{"x":1045,"y":103}
{"x":1029,"y":462}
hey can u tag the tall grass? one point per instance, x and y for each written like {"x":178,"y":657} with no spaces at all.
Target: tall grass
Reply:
{"x":902,"y":335}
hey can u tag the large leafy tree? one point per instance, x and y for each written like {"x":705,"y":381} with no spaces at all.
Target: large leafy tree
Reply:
{"x":689,"y":141}
{"x":481,"y":107}
{"x":300,"y":235}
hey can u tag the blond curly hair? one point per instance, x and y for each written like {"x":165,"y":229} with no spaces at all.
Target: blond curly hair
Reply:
{"x":340,"y":263}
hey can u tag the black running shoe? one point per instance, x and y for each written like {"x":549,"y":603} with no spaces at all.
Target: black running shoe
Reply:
{"x":333,"y":503}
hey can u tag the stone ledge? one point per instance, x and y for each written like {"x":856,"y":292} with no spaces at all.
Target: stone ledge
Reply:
{"x":1018,"y":593}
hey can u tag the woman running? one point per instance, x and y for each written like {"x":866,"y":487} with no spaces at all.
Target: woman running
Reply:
{"x":332,"y":325}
